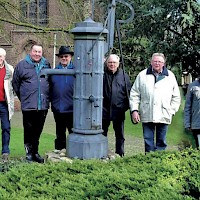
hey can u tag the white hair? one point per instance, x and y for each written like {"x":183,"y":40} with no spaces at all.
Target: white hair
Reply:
{"x":2,"y":52}
{"x":159,"y":54}
{"x":116,"y":57}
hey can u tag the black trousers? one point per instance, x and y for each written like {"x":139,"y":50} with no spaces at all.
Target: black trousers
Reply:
{"x":118,"y":126}
{"x":33,"y":122}
{"x":195,"y":133}
{"x":63,"y":121}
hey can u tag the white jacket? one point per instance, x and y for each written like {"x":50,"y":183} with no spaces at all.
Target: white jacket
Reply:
{"x":8,"y":88}
{"x":155,"y":101}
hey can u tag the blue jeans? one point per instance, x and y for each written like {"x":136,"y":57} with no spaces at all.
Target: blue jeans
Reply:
{"x":5,"y":127}
{"x":152,"y":130}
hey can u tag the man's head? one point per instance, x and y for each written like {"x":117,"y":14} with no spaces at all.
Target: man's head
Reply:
{"x":36,"y":52}
{"x":158,"y":61}
{"x":2,"y":56}
{"x":65,"y":55}
{"x":112,"y":62}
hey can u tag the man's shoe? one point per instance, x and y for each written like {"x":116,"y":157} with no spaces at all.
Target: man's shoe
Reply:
{"x":29,"y":157}
{"x":5,"y":157}
{"x":38,"y":158}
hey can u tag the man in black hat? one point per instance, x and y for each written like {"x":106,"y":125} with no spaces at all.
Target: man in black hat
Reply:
{"x":61,"y":97}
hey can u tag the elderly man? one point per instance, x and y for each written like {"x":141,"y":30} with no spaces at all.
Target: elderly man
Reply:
{"x":6,"y":102}
{"x":61,"y":97}
{"x":191,"y":110}
{"x":154,"y":99}
{"x":33,"y":92}
{"x":116,"y":86}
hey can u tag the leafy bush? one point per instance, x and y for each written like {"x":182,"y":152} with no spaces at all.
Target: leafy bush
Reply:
{"x":158,"y":175}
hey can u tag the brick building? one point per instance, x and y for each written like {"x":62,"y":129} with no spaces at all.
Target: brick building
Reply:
{"x":16,"y":40}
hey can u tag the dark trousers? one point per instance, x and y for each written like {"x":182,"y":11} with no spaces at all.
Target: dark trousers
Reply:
{"x":195,"y":133}
{"x":152,"y":130}
{"x":33,"y":122}
{"x":63,"y":121}
{"x":118,"y":126}
{"x":5,"y":127}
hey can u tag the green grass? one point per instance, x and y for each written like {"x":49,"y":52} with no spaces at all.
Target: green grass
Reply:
{"x":176,"y":135}
{"x":17,"y":144}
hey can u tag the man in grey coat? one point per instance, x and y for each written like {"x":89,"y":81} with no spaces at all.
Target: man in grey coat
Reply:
{"x":192,"y":110}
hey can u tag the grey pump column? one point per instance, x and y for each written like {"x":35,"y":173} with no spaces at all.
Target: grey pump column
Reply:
{"x":87,"y":141}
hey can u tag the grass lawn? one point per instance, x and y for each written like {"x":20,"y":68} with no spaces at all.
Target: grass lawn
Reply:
{"x":133,"y":134}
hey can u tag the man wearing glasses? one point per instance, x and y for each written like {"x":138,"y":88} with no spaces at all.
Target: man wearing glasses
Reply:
{"x":61,"y":97}
{"x":116,"y":88}
{"x":154,"y":99}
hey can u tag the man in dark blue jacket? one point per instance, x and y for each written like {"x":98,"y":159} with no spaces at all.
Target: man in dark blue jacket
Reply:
{"x":116,"y":88}
{"x":33,"y":93}
{"x":61,"y":97}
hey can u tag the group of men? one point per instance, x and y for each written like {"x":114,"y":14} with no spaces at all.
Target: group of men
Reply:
{"x":153,"y":99}
{"x":35,"y":92}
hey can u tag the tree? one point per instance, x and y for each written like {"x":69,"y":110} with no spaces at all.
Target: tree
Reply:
{"x":71,"y":11}
{"x":171,"y":27}
{"x":25,"y":21}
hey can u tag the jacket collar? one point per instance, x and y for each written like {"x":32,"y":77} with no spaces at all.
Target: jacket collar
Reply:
{"x":69,"y":66}
{"x":8,"y":71}
{"x":30,"y":61}
{"x":110,"y":72}
{"x":164,"y":71}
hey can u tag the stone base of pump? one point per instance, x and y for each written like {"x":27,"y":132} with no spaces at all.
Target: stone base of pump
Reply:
{"x":61,"y":156}
{"x":89,"y":146}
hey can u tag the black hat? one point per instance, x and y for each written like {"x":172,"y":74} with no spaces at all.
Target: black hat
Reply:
{"x":64,"y":50}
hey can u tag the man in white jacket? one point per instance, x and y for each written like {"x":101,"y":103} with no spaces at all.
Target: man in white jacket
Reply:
{"x":154,"y":99}
{"x":6,"y":102}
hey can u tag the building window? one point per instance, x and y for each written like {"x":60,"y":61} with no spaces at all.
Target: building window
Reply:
{"x":35,"y":11}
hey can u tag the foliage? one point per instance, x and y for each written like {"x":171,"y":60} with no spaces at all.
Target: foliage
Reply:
{"x":171,"y":27}
{"x":159,"y":175}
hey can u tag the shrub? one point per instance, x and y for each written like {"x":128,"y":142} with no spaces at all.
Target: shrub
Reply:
{"x":158,"y":175}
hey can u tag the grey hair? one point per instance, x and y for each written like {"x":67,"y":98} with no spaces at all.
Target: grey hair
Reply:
{"x":159,"y":54}
{"x":2,"y":52}
{"x":113,"y":55}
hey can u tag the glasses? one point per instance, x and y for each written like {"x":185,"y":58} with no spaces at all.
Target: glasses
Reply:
{"x":159,"y":62}
{"x":66,"y":56}
{"x":112,"y":62}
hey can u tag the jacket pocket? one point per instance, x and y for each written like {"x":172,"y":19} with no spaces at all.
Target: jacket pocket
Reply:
{"x":166,"y":110}
{"x":144,"y":108}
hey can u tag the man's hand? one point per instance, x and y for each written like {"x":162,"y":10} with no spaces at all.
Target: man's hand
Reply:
{"x":136,"y":116}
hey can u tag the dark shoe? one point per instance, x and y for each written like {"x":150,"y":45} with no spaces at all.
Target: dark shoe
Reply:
{"x":29,"y":157}
{"x":120,"y":154}
{"x":38,"y":158}
{"x":5,"y":157}
{"x":28,"y":149}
